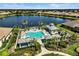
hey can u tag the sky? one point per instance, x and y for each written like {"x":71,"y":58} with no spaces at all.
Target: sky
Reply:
{"x":39,"y":5}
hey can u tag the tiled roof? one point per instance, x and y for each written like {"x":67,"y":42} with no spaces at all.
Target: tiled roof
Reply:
{"x":72,"y":23}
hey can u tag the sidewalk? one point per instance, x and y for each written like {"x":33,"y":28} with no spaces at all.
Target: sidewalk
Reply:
{"x":45,"y":51}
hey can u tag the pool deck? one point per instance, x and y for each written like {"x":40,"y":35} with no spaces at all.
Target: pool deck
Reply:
{"x":24,"y":39}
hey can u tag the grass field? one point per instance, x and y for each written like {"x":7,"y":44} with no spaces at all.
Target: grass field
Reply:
{"x":71,"y":49}
{"x":4,"y":53}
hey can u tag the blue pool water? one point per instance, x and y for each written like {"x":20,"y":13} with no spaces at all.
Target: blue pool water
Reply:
{"x":37,"y":35}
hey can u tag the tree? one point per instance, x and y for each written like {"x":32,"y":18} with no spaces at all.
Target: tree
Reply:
{"x":25,"y":22}
{"x":63,"y":44}
{"x":74,"y":36}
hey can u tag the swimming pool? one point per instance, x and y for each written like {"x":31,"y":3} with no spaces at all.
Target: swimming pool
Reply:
{"x":37,"y":35}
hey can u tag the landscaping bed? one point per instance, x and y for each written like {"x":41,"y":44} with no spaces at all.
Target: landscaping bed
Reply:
{"x":52,"y":54}
{"x":62,"y":44}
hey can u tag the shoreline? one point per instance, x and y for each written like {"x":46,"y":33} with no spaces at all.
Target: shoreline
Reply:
{"x":58,"y":14}
{"x":7,"y":27}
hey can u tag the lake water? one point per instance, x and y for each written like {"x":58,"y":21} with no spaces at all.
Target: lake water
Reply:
{"x":32,"y":20}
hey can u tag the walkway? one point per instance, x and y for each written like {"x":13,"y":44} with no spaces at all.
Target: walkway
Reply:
{"x":45,"y":51}
{"x":6,"y":45}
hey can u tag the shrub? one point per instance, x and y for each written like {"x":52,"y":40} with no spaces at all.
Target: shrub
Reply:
{"x":77,"y":49}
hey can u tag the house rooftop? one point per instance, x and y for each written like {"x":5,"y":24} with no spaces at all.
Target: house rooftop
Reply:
{"x":72,"y":24}
{"x":22,"y":40}
{"x":4,"y":32}
{"x":51,"y":27}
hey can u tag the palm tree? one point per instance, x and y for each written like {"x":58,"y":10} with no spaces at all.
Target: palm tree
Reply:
{"x":25,"y":22}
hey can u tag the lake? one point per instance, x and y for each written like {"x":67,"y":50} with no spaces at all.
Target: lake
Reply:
{"x":32,"y":20}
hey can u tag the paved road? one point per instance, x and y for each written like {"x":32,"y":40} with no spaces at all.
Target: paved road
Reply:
{"x":45,"y":51}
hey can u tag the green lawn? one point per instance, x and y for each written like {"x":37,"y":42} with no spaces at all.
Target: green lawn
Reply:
{"x":71,"y":49}
{"x":4,"y":53}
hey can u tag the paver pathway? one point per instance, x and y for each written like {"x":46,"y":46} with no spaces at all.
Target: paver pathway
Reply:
{"x":45,"y":51}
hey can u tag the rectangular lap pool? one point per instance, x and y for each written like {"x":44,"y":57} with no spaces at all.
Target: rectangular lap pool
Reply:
{"x":37,"y":35}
